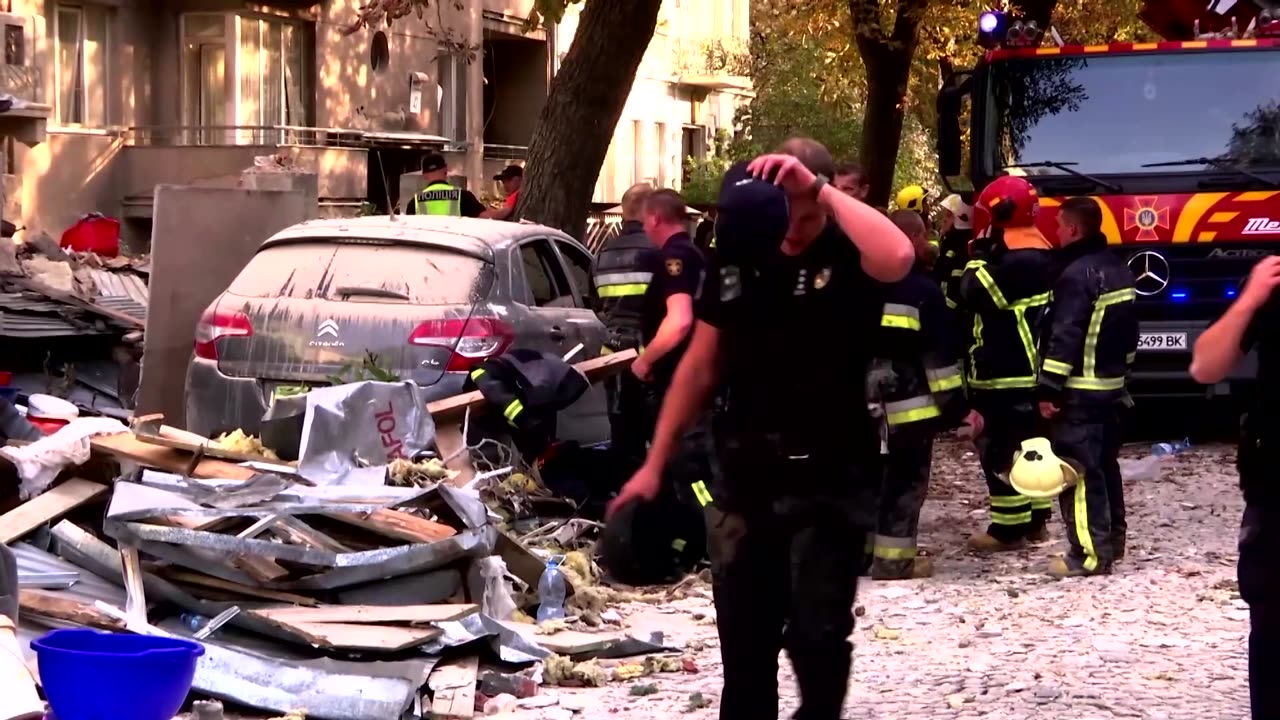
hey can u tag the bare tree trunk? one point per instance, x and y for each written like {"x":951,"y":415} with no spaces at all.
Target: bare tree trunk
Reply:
{"x":582,"y":109}
{"x":887,"y":59}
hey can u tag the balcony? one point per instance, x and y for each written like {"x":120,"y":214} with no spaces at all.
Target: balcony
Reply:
{"x":27,"y":123}
{"x":711,"y":63}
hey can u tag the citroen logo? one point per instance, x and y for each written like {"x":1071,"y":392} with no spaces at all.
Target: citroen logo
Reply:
{"x":1150,"y":272}
{"x":328,"y":327}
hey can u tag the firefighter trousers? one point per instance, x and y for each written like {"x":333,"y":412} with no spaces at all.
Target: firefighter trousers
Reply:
{"x":632,"y":415}
{"x":1013,"y":515}
{"x":785,"y":575}
{"x":906,"y":483}
{"x":1093,"y":511}
{"x":1259,"y":576}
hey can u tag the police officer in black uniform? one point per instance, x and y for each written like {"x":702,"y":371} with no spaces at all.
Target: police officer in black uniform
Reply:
{"x":782,"y":323}
{"x":1253,"y":322}
{"x":620,"y":275}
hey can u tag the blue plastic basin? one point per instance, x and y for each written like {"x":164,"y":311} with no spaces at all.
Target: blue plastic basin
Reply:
{"x":90,"y":675}
{"x":9,"y":393}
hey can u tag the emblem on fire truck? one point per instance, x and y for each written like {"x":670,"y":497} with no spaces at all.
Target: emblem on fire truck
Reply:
{"x":1151,"y":214}
{"x":1150,"y":272}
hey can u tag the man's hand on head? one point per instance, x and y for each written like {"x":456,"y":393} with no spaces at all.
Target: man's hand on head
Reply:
{"x":787,"y":172}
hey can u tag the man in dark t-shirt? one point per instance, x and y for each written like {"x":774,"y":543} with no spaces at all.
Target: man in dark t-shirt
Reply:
{"x":1253,"y":323}
{"x":783,"y":323}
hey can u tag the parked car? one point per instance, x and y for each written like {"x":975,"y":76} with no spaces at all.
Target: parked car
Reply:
{"x":430,"y":297}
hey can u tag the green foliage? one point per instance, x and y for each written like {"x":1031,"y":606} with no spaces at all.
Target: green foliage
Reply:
{"x":369,"y":368}
{"x":704,"y":174}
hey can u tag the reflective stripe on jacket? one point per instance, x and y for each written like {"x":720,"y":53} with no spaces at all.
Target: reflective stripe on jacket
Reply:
{"x":1093,"y":329}
{"x":438,"y":198}
{"x":1007,"y":293}
{"x":620,"y":280}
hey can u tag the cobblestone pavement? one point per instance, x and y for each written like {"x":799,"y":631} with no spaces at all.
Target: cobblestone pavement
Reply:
{"x":1162,"y":638}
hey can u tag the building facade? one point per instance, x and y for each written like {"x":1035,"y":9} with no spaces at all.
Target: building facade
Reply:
{"x":147,"y":92}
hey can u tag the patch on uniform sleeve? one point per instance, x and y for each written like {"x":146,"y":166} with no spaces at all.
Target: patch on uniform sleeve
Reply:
{"x":730,"y":283}
{"x":822,"y":278}
{"x":675,"y":266}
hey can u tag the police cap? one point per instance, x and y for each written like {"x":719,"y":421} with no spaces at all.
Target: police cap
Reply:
{"x":751,"y":218}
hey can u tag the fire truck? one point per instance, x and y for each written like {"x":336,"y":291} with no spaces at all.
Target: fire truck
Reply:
{"x":1178,"y":140}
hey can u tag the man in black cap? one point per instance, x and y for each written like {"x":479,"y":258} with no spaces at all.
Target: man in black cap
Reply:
{"x":439,"y":197}
{"x":783,"y":323}
{"x":511,"y":177}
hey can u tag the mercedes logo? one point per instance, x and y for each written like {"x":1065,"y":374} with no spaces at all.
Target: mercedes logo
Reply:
{"x":1150,"y":272}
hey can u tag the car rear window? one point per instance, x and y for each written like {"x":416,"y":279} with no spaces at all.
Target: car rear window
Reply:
{"x":329,"y":270}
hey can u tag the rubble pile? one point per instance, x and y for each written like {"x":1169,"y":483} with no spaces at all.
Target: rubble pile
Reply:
{"x":312,"y":595}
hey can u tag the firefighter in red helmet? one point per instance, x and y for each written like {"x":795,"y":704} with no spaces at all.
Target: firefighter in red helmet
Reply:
{"x":1005,"y":289}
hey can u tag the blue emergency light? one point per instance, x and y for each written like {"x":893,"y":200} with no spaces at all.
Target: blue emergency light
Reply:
{"x":1179,"y":295}
{"x":993,"y":25}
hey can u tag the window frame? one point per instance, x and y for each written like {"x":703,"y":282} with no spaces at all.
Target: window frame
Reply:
{"x":82,"y":11}
{"x":453,"y":124}
{"x":552,"y":264}
{"x":567,"y":250}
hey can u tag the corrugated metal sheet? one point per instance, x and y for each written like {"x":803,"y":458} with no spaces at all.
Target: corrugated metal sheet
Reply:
{"x":36,"y":326}
{"x":123,"y":292}
{"x":89,"y":588}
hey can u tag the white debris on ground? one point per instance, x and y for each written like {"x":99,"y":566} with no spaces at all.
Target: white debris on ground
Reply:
{"x":1164,"y":638}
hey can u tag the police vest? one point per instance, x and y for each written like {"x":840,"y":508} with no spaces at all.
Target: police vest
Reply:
{"x":438,"y":198}
{"x":621,"y":281}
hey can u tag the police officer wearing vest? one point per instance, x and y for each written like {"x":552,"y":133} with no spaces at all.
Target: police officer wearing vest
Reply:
{"x":440,"y":197}
{"x":1088,"y":350}
{"x":1253,"y":323}
{"x":1006,"y":289}
{"x":621,"y":278}
{"x":796,"y":268}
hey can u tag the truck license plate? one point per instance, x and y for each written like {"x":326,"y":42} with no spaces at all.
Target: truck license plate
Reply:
{"x":1162,"y":342}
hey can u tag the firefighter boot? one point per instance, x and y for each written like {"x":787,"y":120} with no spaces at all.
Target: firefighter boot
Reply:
{"x":1117,"y":546}
{"x":1039,"y":534}
{"x":1060,"y":567}
{"x":985,"y":543}
{"x":917,"y":568}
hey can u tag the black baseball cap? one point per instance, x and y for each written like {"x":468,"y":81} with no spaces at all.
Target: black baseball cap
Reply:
{"x":510,"y":171}
{"x":432,"y":162}
{"x":751,"y":218}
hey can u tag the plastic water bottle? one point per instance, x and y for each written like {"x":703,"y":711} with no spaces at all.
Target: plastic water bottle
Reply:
{"x":551,"y":591}
{"x":1163,"y":449}
{"x":193,"y":622}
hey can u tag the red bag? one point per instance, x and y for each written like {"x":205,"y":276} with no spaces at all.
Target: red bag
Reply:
{"x":94,"y":233}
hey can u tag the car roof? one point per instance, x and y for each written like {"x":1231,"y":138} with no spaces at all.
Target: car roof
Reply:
{"x":473,"y":236}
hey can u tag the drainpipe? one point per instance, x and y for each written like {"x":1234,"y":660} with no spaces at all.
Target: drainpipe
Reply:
{"x":476,"y":180}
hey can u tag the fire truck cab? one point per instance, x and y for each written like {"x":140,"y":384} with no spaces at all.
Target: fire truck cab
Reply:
{"x":1178,"y":140}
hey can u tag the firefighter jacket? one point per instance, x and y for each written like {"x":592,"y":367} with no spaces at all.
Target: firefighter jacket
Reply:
{"x":1006,"y":290}
{"x":621,"y":277}
{"x":917,"y":376}
{"x":1092,"y":329}
{"x":953,"y":253}
{"x":528,"y":388}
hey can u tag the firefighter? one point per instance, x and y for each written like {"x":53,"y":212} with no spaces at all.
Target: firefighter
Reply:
{"x":439,"y":197}
{"x":621,"y":278}
{"x":799,"y":451}
{"x":1005,"y":288}
{"x":1087,"y":353}
{"x":916,"y":385}
{"x":916,"y":199}
{"x":1253,"y":323}
{"x":953,"y":245}
{"x":669,"y":537}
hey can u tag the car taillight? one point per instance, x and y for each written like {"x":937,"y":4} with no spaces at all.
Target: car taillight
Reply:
{"x":472,"y":341}
{"x":215,"y":325}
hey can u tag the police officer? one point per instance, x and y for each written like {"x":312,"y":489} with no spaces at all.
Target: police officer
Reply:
{"x":916,"y":385}
{"x":621,"y":277}
{"x":1087,"y":351}
{"x":1006,"y":288}
{"x":798,"y":448}
{"x":670,"y":537}
{"x":1253,"y":322}
{"x":439,"y":197}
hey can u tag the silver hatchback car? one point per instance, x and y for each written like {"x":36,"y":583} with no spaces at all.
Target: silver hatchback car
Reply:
{"x":432,"y":297}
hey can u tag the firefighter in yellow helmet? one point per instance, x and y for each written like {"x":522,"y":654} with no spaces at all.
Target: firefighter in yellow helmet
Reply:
{"x":916,"y":199}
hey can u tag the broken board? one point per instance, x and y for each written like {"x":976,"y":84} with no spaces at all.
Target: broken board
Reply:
{"x":151,"y":430}
{"x":50,"y":606}
{"x":566,"y":642}
{"x":125,"y":445}
{"x":398,"y":525}
{"x":50,"y":505}
{"x":357,"y":614}
{"x":453,"y":688}
{"x":215,"y":583}
{"x":380,"y":638}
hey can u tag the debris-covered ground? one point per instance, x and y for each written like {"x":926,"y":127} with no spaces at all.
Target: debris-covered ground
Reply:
{"x":1164,"y":637}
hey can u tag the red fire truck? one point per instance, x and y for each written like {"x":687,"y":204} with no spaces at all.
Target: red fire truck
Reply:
{"x":1179,"y":140}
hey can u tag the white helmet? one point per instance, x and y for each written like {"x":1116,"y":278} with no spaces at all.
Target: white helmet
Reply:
{"x":962,"y":212}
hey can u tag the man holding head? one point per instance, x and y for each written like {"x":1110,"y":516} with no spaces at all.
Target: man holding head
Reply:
{"x":797,"y":272}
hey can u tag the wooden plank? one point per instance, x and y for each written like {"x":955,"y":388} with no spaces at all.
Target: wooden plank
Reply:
{"x":295,"y":531}
{"x":348,"y":636}
{"x":398,"y":525}
{"x":128,"y":447}
{"x":50,"y":505}
{"x":523,"y":563}
{"x":449,"y":441}
{"x":453,"y":688}
{"x":595,"y":369}
{"x":567,"y":642}
{"x":136,"y":598}
{"x":357,"y":614}
{"x":171,"y":437}
{"x":216,"y":583}
{"x":262,"y":569}
{"x":57,"y":607}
